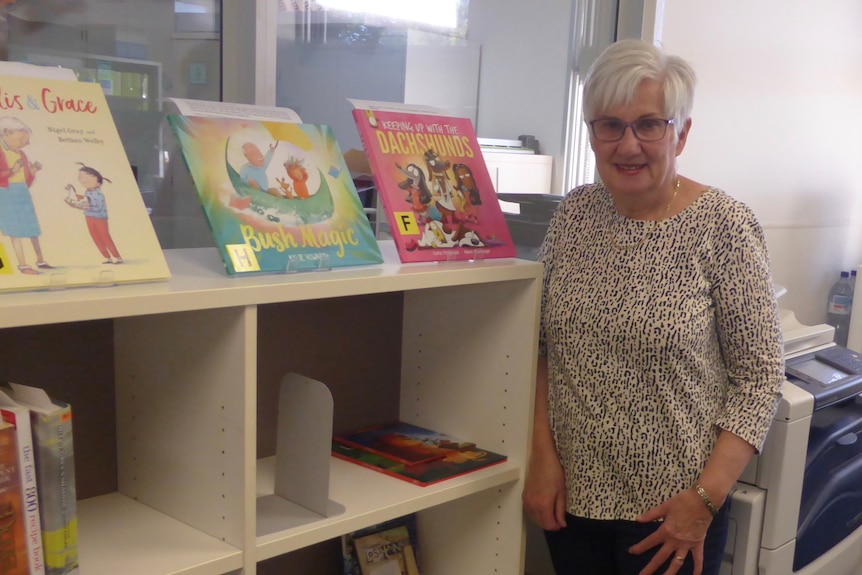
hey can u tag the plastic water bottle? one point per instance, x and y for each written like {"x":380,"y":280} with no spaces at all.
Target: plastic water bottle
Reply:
{"x":839,"y":306}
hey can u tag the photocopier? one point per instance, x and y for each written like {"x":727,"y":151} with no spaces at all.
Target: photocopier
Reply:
{"x":797,"y":508}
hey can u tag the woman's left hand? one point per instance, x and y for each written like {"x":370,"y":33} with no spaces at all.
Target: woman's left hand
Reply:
{"x":684,"y":521}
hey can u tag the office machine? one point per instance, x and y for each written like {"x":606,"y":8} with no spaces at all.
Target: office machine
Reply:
{"x":797,"y":508}
{"x":527,"y":216}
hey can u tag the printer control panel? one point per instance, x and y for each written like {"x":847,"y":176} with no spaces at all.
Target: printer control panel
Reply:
{"x":841,"y":358}
{"x":830,"y":375}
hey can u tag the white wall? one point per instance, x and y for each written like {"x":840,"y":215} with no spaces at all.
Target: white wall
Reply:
{"x":778,"y":124}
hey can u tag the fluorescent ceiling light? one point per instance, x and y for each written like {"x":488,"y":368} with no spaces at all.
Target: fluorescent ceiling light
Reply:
{"x":440,"y":13}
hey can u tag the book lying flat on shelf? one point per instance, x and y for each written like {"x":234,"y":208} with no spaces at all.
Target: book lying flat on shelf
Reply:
{"x":425,"y":473}
{"x":19,"y":418}
{"x":277,"y":195}
{"x":71,"y":212}
{"x":13,"y":559}
{"x":51,"y":422}
{"x":403,"y":442}
{"x":435,"y":188}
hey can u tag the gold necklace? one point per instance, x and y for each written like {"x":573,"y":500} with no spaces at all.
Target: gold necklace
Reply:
{"x":649,"y":232}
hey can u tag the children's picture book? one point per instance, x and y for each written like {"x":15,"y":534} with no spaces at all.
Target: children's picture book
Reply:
{"x":350,"y":559}
{"x":13,"y":559}
{"x":71,"y":212}
{"x":403,"y":442}
{"x":51,"y":422}
{"x":434,"y":186}
{"x":387,"y":552}
{"x":19,"y":418}
{"x":277,"y":195}
{"x":424,"y":473}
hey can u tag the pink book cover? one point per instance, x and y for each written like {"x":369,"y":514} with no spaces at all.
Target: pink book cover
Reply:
{"x":434,"y":186}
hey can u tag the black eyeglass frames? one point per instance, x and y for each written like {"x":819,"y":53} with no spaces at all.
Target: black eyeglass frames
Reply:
{"x":644,"y":129}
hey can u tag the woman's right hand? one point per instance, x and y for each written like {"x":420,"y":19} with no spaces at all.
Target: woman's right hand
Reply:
{"x":544,"y":495}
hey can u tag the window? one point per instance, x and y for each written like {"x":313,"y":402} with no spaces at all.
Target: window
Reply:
{"x":140,"y":52}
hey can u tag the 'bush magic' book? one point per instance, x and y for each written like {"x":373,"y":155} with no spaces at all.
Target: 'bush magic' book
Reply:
{"x":277,"y":195}
{"x":438,"y":197}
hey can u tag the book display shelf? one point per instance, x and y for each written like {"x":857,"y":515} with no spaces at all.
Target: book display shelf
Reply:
{"x":172,"y":386}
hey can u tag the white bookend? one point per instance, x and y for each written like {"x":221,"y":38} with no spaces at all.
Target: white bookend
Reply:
{"x":302,"y":466}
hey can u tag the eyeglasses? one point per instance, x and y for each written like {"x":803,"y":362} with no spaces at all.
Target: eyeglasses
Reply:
{"x":644,"y":129}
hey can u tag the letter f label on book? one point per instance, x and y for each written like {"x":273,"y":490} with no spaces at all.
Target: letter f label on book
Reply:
{"x":407,"y":223}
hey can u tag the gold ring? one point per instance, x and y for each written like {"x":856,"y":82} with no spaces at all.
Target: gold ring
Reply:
{"x":680,"y":559}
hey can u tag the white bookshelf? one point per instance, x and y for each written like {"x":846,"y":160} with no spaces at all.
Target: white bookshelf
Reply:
{"x":189,"y":378}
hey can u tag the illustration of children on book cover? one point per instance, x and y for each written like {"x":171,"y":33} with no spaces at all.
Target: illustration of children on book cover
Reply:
{"x":435,"y":187}
{"x":69,"y":203}
{"x":278,"y":196}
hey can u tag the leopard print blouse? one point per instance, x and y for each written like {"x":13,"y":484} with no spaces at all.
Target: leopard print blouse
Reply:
{"x":654,"y":344}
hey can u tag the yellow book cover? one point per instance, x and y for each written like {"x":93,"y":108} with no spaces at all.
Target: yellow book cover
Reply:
{"x":71,"y":212}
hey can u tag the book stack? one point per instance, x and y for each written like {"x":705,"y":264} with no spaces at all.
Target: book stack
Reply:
{"x":412,"y":453}
{"x":37,"y":482}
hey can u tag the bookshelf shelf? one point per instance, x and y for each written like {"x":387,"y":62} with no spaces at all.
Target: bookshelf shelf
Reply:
{"x":174,"y":435}
{"x":119,"y":535}
{"x":370,"y":498}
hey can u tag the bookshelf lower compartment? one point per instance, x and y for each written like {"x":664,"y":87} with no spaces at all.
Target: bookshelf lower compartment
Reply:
{"x":119,"y":535}
{"x":369,"y":497}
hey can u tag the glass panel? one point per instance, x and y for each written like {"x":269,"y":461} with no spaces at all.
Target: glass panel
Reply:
{"x":390,"y":51}
{"x":140,"y":51}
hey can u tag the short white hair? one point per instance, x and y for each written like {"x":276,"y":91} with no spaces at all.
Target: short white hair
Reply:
{"x":615,"y":76}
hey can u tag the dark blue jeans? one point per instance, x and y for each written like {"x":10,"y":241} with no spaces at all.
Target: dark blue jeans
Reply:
{"x":595,"y":547}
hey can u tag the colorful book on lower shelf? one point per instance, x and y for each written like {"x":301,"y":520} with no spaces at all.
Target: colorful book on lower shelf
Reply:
{"x":71,"y":212}
{"x":387,"y":552}
{"x":349,"y":552}
{"x":51,"y":422}
{"x":434,"y":185}
{"x":403,"y":442}
{"x":19,"y":418}
{"x":278,"y":196}
{"x":13,"y":533}
{"x":426,"y":473}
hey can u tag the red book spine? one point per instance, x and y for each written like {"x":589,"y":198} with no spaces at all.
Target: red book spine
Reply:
{"x":13,"y":545}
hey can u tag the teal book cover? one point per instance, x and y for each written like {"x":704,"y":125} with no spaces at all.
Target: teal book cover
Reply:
{"x":278,"y":196}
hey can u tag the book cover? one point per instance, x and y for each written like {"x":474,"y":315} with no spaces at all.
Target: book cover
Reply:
{"x":350,"y":560}
{"x":277,"y":195}
{"x":403,"y":442}
{"x":71,"y":212}
{"x":19,"y":418}
{"x":434,"y":186}
{"x":425,"y":473}
{"x":51,"y":422}
{"x":387,"y":552}
{"x":13,"y":536}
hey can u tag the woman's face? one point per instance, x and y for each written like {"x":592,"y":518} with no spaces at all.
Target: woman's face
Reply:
{"x":631,"y":167}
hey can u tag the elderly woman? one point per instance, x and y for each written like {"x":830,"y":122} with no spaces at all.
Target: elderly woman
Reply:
{"x":660,"y":360}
